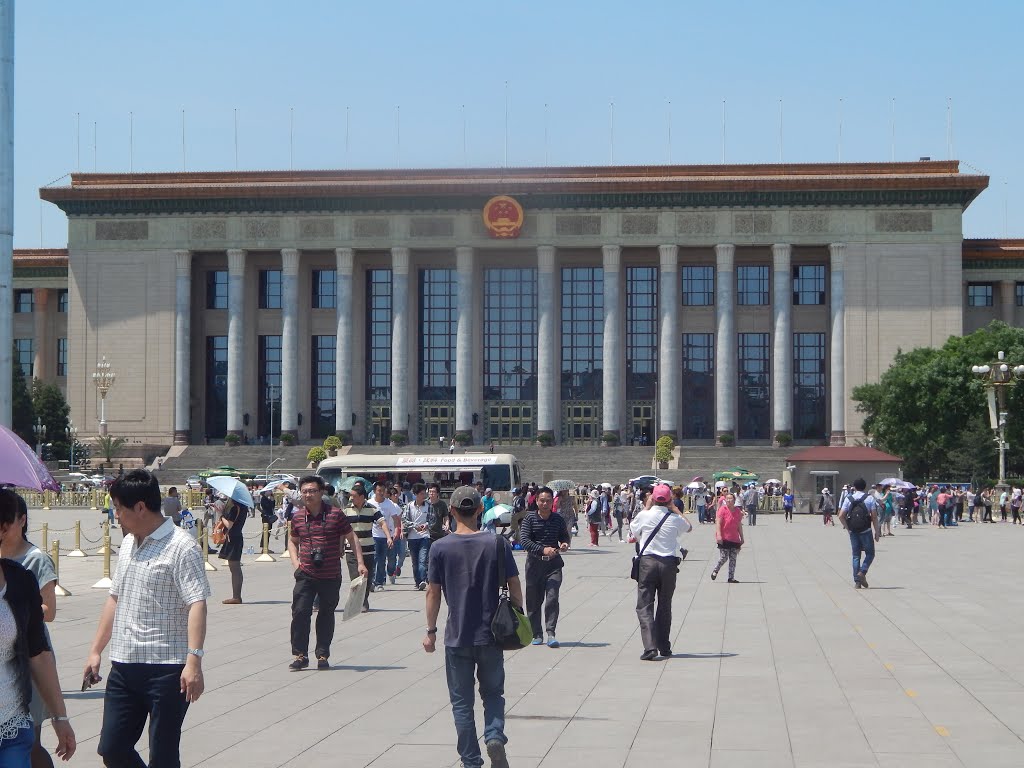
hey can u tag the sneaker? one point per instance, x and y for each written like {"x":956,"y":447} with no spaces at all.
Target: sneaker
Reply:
{"x":232,"y":601}
{"x":392,"y":577}
{"x":398,"y":572}
{"x":537,"y":641}
{"x":733,"y":581}
{"x":552,"y":642}
{"x":496,"y":753}
{"x":322,"y":663}
{"x":300,"y":662}
{"x":862,"y":579}
{"x":648,"y":656}
{"x":667,"y":653}
{"x":378,"y":588}
{"x":714,"y":575}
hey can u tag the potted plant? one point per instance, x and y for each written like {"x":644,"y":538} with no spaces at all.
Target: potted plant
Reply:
{"x":315,"y":455}
{"x":545,"y":439}
{"x":726,"y":439}
{"x":463,"y":438}
{"x":783,"y":439}
{"x":663,"y":451}
{"x":610,"y":439}
{"x":232,"y":439}
{"x":399,"y":437}
{"x":287,"y":438}
{"x":109,"y":446}
{"x":332,"y":444}
{"x":345,"y":436}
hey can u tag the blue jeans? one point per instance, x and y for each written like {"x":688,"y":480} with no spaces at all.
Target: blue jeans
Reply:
{"x":16,"y":752}
{"x":488,"y":662}
{"x":135,"y":692}
{"x":419,"y":551}
{"x":401,"y":550}
{"x":383,"y":560}
{"x":862,"y":542}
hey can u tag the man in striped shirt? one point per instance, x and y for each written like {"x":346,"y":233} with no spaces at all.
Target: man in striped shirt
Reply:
{"x":361,"y":514}
{"x":544,"y":536}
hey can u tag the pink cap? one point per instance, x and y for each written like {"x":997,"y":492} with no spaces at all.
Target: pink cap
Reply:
{"x":661,"y":494}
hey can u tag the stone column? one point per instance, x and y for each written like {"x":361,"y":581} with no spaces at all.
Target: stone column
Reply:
{"x":343,"y":340}
{"x":1008,"y":300}
{"x":611,"y":370}
{"x":669,"y":364}
{"x":183,"y":349}
{"x":725,"y":340}
{"x":548,"y":362}
{"x":400,"y":342}
{"x":782,"y":358}
{"x":837,"y":251}
{"x":42,"y":350}
{"x":464,"y":387}
{"x":289,"y":341}
{"x":236,"y":340}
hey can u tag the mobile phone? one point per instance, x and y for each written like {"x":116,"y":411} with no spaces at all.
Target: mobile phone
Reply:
{"x":89,"y":681}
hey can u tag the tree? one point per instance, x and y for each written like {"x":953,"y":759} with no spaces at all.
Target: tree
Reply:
{"x":23,"y":417}
{"x":49,"y":405}
{"x":930,"y":409}
{"x":109,"y":446}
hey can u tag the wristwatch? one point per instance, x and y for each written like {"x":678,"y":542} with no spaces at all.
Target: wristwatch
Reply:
{"x":60,"y":719}
{"x":197,"y":652}
{"x":432,"y":631}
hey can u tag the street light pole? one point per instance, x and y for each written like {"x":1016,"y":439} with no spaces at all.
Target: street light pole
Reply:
{"x":103,"y":378}
{"x":40,"y":431}
{"x":998,"y":377}
{"x":72,"y":433}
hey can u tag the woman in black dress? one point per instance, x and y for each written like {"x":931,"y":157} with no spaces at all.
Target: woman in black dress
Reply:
{"x":234,"y":517}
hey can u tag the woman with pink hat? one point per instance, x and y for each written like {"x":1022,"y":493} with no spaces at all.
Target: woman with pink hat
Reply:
{"x":729,"y":535}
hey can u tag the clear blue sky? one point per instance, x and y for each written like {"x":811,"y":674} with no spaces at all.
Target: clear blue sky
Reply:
{"x":102,"y":59}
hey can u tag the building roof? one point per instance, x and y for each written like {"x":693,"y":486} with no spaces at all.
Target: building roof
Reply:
{"x":859,"y":453}
{"x":40,"y":257}
{"x":991,"y":249}
{"x":920,"y":183}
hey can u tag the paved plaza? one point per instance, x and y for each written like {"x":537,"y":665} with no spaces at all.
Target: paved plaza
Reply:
{"x":791,"y":667}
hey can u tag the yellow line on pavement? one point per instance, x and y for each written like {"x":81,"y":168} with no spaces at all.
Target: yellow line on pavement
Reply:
{"x":890,"y":667}
{"x":911,"y":693}
{"x":941,"y":730}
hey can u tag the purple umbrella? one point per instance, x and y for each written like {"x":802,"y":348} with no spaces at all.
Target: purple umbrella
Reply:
{"x":20,"y":467}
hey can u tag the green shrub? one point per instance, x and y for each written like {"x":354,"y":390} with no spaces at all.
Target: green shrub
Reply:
{"x":545,"y":439}
{"x":399,"y":437}
{"x":784,"y":439}
{"x":662,"y":452}
{"x":316,"y":455}
{"x":610,"y":438}
{"x":287,"y":438}
{"x":463,"y":438}
{"x":726,"y":439}
{"x":232,"y":439}
{"x":332,"y":443}
{"x":344,"y":436}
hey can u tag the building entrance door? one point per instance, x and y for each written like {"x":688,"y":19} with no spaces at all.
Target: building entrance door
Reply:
{"x":581,"y":422}
{"x":378,"y":425}
{"x":510,"y":422}
{"x":640,"y":429}
{"x":437,"y":421}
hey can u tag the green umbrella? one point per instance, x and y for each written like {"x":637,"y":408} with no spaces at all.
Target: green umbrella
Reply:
{"x":495,"y":513}
{"x":561,"y":485}
{"x":347,"y":484}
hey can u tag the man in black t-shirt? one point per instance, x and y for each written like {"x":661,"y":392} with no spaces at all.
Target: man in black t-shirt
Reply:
{"x":544,"y":536}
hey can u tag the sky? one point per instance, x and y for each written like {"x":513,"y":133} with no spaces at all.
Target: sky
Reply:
{"x":119,"y":85}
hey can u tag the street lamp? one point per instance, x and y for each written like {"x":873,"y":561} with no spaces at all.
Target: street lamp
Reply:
{"x":998,"y":377}
{"x":72,"y":432}
{"x":103,"y":378}
{"x":40,"y":432}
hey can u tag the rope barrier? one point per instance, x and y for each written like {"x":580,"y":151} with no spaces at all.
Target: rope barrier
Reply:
{"x":55,"y":555}
{"x":77,"y":551}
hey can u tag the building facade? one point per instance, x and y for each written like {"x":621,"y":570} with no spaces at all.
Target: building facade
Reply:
{"x":508,"y":305}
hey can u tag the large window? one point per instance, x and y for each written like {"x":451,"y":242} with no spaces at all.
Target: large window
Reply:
{"x":510,"y":334}
{"x":216,"y":386}
{"x":809,"y":386}
{"x":62,"y":301}
{"x":754,"y":391}
{"x":24,"y":302}
{"x":324,"y":357}
{"x":62,"y":357}
{"x":23,"y":355}
{"x":217,"y":289}
{"x":698,"y":384}
{"x":752,"y":285}
{"x":270,"y":289}
{"x":641,"y":333}
{"x":378,"y":334}
{"x":325,"y":289}
{"x":268,"y":386}
{"x":438,"y":326}
{"x":699,"y":286}
{"x":1020,"y":294}
{"x":979,"y":294}
{"x":582,"y":332}
{"x":809,"y":284}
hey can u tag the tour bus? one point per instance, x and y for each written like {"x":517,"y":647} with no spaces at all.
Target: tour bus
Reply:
{"x":498,"y":471}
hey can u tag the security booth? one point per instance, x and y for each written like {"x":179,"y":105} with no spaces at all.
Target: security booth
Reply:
{"x":814,"y":469}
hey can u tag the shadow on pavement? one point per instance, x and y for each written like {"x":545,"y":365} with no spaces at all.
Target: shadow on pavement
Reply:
{"x":699,"y":656}
{"x":582,"y":645}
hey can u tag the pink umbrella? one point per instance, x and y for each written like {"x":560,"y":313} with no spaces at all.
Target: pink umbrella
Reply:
{"x":20,"y":467}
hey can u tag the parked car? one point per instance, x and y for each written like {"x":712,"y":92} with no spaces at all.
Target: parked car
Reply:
{"x":194,"y":482}
{"x":645,"y":481}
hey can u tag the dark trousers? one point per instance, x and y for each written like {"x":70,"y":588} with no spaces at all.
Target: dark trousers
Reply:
{"x":752,"y":514}
{"x":657,"y":582}
{"x":487,"y":662}
{"x":328,"y":592}
{"x":419,"y":551}
{"x":135,"y":692}
{"x":353,"y":571}
{"x":862,"y":542}
{"x":542,"y":585}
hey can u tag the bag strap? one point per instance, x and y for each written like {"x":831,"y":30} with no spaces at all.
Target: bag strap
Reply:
{"x":653,"y":533}
{"x":502,"y":580}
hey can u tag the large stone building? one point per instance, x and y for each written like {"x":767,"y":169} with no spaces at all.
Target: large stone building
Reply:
{"x":693,"y":301}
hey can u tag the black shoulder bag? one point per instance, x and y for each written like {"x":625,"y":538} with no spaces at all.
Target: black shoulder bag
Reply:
{"x":634,"y":572}
{"x":510,"y":627}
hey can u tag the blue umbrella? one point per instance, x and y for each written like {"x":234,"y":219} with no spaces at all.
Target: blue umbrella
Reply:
{"x":233,"y":488}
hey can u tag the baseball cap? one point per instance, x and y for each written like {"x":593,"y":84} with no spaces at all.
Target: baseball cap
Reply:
{"x":466,"y":499}
{"x":661,"y":494}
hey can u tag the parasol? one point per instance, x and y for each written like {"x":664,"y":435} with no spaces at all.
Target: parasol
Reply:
{"x":233,"y":488}
{"x":350,"y":481}
{"x":20,"y":467}
{"x":561,"y":485}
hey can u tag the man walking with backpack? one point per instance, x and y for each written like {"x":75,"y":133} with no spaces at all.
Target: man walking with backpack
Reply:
{"x":859,"y":516}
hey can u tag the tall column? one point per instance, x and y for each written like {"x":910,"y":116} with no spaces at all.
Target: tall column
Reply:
{"x":782,"y":358}
{"x":548,"y":365}
{"x":400,"y":341}
{"x":343,"y":341}
{"x":183,"y":348}
{"x":837,"y":251}
{"x":611,"y":369}
{"x":464,"y":264}
{"x":725,"y":340}
{"x":1007,"y":300}
{"x":41,"y":326}
{"x":289,"y":341}
{"x":236,"y":340}
{"x":669,"y":370}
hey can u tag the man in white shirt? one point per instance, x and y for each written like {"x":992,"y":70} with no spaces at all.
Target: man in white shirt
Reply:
{"x":658,"y":550}
{"x":384,"y":531}
{"x":415,"y":526}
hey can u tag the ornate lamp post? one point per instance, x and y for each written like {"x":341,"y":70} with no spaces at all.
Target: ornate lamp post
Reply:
{"x":39,"y":429}
{"x":998,"y":377}
{"x":103,"y":378}
{"x":72,"y":432}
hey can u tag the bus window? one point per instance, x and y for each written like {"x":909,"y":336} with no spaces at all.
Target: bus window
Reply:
{"x":497,"y":477}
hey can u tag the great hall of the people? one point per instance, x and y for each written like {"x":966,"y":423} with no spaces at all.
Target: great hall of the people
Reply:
{"x":509,"y":305}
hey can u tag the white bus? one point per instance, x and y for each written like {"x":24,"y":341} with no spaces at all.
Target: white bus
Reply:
{"x":498,"y":471}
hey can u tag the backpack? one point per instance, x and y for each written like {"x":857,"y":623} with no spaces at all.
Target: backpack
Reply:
{"x":858,"y":518}
{"x":827,"y":505}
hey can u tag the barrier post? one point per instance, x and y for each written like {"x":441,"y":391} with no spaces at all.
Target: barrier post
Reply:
{"x":266,"y":557}
{"x":55,"y":556}
{"x":78,"y":551}
{"x":94,"y":493}
{"x":45,"y":536}
{"x":104,"y":583}
{"x":105,"y":549}
{"x":205,"y":544}
{"x":46,"y":500}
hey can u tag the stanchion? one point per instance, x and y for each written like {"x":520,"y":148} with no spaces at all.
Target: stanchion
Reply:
{"x":55,"y":556}
{"x":266,"y":557}
{"x":45,"y":535}
{"x":204,"y":543}
{"x":77,"y":551}
{"x":46,"y":500}
{"x":105,"y":549}
{"x":94,"y":495}
{"x":104,"y":583}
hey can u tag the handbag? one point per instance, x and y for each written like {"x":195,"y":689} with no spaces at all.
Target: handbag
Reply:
{"x":634,"y":572}
{"x":510,"y":627}
{"x":220,"y":533}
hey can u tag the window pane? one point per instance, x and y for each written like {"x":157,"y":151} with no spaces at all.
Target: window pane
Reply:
{"x":809,"y":284}
{"x":752,"y":285}
{"x":325,"y":294}
{"x":754,"y":390}
{"x":216,"y":386}
{"x":378,"y":337}
{"x":217,"y":289}
{"x":324,"y":358}
{"x":979,"y":294}
{"x":699,"y":286}
{"x":809,"y":386}
{"x":269,"y":388}
{"x":582,"y":332}
{"x":510,"y":348}
{"x":439,"y":323}
{"x":62,"y":357}
{"x":62,"y":301}
{"x":24,"y":352}
{"x":698,"y":382}
{"x":24,"y":302}
{"x":270,"y":289}
{"x":641,"y":332}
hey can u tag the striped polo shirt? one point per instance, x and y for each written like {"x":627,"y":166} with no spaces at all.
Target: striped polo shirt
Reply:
{"x":361,"y":521}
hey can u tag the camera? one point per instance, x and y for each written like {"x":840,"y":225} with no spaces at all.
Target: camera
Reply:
{"x":318,"y":557}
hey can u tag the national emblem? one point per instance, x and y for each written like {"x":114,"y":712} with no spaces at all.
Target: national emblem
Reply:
{"x":503,"y":217}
